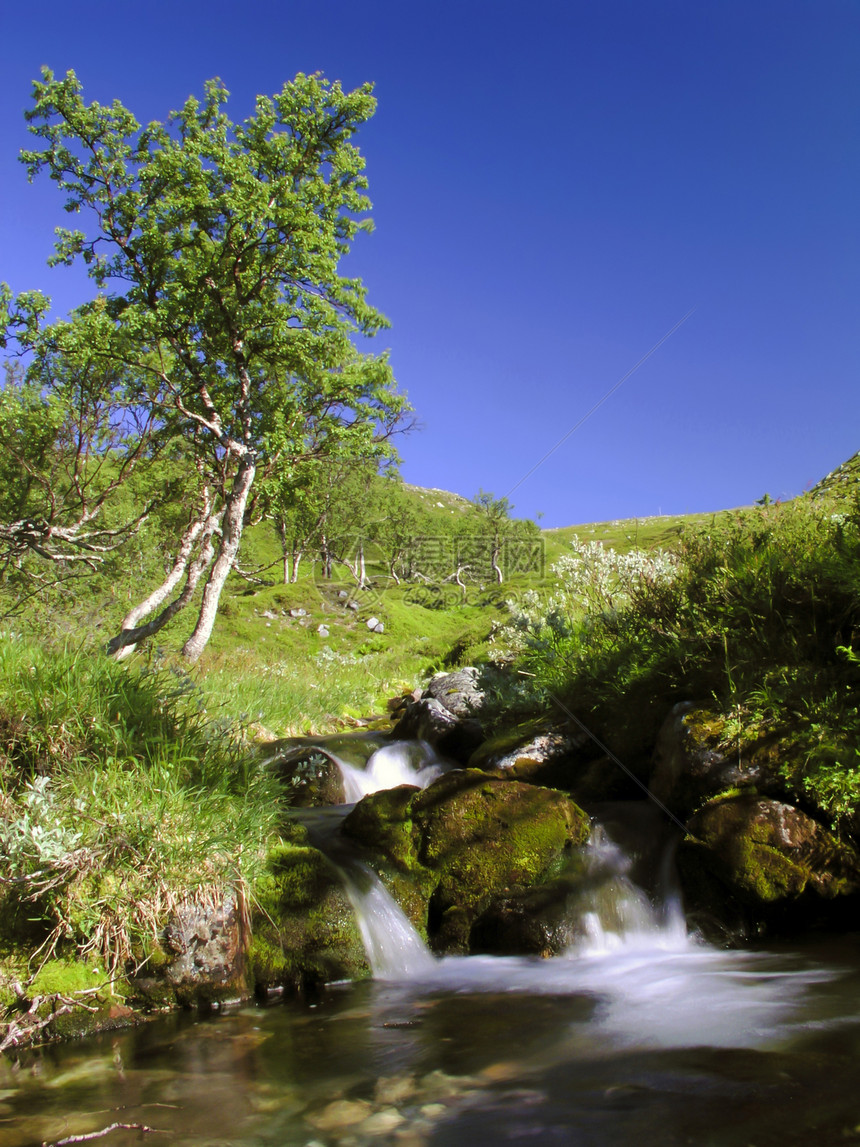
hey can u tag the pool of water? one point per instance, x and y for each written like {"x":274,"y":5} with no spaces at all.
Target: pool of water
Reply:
{"x":657,"y":1042}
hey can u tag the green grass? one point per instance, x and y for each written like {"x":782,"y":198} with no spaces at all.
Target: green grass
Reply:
{"x":760,"y":618}
{"x":120,"y":797}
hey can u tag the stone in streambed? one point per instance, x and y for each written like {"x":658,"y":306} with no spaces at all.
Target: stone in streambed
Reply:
{"x":464,"y":840}
{"x":751,"y":865}
{"x":308,"y":772}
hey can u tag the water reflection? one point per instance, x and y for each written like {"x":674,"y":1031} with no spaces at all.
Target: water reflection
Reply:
{"x":587,"y":1060}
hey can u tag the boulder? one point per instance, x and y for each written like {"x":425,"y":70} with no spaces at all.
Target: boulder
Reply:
{"x":428,"y":720}
{"x":459,"y":692}
{"x":463,"y":841}
{"x":304,"y":931}
{"x":526,"y":921}
{"x":200,"y":958}
{"x":695,"y":760}
{"x":752,"y":865}
{"x":205,"y":943}
{"x":556,"y":755}
{"x":445,"y":715}
{"x":310,"y":775}
{"x":528,"y":750}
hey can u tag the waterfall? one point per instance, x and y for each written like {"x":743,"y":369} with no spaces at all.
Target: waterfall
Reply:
{"x":394,"y":949}
{"x":613,"y":913}
{"x":401,"y":763}
{"x":650,"y":983}
{"x":610,"y":915}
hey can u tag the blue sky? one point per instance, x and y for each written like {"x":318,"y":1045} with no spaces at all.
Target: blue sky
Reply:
{"x":555,"y":185}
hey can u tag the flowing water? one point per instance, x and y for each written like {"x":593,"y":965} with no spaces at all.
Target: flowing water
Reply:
{"x":399,"y":763}
{"x":638,"y":1033}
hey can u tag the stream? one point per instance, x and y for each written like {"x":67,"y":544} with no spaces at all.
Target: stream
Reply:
{"x":639,"y":1033}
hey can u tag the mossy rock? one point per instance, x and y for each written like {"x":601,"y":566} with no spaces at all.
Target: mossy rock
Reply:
{"x":698,"y":755}
{"x":759,"y":865}
{"x":309,"y":774}
{"x":466,"y":838}
{"x":555,"y":755}
{"x":303,"y":926}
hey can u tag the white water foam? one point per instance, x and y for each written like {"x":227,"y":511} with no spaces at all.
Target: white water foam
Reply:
{"x":394,"y":949}
{"x":653,"y":985}
{"x":615,"y":915}
{"x":400,"y":763}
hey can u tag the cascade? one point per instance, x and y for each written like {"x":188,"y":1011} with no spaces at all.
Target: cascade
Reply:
{"x":400,"y":763}
{"x":614,"y":913}
{"x":652,"y":983}
{"x":394,"y":949}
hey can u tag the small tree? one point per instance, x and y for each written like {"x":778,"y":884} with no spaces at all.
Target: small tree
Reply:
{"x":70,"y":441}
{"x":218,"y":245}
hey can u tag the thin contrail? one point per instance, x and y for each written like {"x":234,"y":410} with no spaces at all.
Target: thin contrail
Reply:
{"x":597,"y":405}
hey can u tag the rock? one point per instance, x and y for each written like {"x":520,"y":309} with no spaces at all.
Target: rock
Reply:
{"x":372,"y":622}
{"x":459,"y":692}
{"x":751,"y":865}
{"x":304,"y":931}
{"x":323,"y":630}
{"x":530,"y":921}
{"x":340,"y":1113}
{"x":557,"y":756}
{"x":298,"y":613}
{"x":694,"y":761}
{"x":444,"y":715}
{"x":310,"y":774}
{"x":205,"y":944}
{"x":466,"y":839}
{"x":391,"y":1089}
{"x":342,"y":594}
{"x":379,"y":627}
{"x":352,"y":605}
{"x":525,"y":751}
{"x":268,"y":613}
{"x":428,"y":720}
{"x":382,"y":1122}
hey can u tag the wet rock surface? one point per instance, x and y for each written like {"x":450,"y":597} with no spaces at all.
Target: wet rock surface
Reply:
{"x":754,"y":865}
{"x":464,"y":840}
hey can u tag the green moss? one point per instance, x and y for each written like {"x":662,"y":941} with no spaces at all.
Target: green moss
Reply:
{"x":303,"y":926}
{"x":466,"y":838}
{"x":65,"y":977}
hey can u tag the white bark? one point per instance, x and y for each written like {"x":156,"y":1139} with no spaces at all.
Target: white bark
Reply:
{"x":231,"y":535}
{"x":125,"y":641}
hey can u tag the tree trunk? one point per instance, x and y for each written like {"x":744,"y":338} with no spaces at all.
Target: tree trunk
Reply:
{"x":162,"y":592}
{"x":297,"y":557}
{"x":125,"y":641}
{"x":231,"y":535}
{"x":497,"y":549}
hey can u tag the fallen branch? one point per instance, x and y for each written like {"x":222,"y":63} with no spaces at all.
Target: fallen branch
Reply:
{"x":105,"y":1131}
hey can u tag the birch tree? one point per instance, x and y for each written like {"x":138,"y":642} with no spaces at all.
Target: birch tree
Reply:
{"x":215,"y":247}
